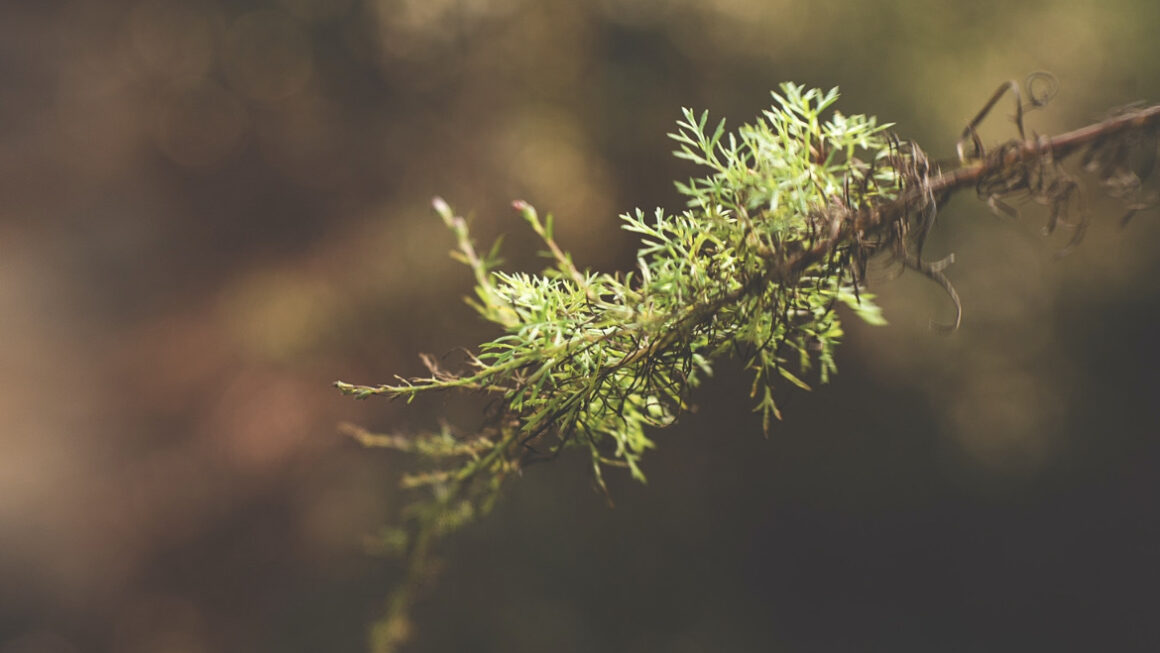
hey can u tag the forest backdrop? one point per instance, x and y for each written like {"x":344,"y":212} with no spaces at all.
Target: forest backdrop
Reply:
{"x":209,"y":211}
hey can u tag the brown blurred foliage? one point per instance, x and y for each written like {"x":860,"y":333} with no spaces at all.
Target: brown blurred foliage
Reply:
{"x":210,"y":210}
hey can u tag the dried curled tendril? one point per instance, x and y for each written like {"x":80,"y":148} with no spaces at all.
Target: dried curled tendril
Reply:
{"x":1122,"y":162}
{"x":1122,"y":156}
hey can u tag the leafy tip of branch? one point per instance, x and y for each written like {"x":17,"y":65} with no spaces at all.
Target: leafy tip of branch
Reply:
{"x":776,"y":232}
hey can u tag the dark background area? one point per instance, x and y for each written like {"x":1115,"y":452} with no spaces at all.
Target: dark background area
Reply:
{"x":209,"y":211}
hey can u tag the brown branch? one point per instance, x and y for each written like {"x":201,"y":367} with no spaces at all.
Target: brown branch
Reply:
{"x":1059,"y":147}
{"x":876,"y":218}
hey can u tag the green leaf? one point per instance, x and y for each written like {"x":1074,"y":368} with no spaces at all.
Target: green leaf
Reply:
{"x":863,"y":306}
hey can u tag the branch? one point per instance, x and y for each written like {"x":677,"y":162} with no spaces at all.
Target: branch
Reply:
{"x":1021,"y":152}
{"x":1014,"y":167}
{"x":776,"y":234}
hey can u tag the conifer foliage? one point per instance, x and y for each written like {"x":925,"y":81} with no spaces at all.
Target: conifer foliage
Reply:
{"x":774,"y":235}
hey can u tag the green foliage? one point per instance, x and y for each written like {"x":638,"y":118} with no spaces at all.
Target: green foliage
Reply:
{"x":776,"y":233}
{"x":597,"y":361}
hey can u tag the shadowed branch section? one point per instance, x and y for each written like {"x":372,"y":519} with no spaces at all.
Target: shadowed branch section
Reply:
{"x":775,"y":234}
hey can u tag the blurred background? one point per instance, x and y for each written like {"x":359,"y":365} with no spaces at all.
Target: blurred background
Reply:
{"x":209,"y":211}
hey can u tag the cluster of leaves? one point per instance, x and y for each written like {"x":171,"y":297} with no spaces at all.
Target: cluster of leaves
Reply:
{"x":775,"y":235}
{"x":752,"y":268}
